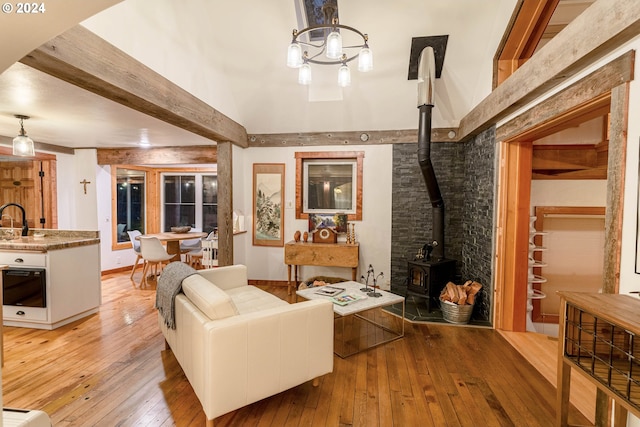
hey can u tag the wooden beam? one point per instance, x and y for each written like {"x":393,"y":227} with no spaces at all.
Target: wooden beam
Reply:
{"x":582,"y":101}
{"x":158,"y":156}
{"x":615,"y":188}
{"x":225,"y":204}
{"x":349,"y":138}
{"x":83,"y":59}
{"x":601,"y":27}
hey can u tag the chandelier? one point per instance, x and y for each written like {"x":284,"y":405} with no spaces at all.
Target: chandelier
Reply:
{"x":329,"y":50}
{"x":22,"y":144}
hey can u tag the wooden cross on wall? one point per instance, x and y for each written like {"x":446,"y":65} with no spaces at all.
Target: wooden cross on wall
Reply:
{"x":85,"y":182}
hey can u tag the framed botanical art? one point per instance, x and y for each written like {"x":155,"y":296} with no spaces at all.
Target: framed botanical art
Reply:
{"x":268,"y":196}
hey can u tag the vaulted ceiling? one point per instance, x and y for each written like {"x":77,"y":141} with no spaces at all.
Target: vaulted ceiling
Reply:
{"x":231,"y":55}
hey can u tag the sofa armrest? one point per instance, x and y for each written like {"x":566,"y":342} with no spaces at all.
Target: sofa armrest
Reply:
{"x":227,"y":277}
{"x":253,"y":356}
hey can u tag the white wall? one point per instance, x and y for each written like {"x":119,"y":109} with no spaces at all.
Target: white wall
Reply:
{"x":76,"y":210}
{"x":373,"y":232}
{"x":240,"y":205}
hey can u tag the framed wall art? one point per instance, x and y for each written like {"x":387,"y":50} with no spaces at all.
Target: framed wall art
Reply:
{"x":268,"y":197}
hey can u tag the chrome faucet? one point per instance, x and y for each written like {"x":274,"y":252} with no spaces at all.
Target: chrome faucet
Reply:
{"x":25,"y":225}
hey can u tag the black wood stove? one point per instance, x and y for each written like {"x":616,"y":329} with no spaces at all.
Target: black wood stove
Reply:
{"x":426,"y":278}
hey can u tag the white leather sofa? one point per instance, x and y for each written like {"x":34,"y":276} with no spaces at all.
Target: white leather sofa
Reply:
{"x":238,"y":344}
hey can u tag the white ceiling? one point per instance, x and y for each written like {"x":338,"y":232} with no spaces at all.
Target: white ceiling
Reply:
{"x":232,"y":56}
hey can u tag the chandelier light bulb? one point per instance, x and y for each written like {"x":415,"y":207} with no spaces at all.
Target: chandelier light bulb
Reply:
{"x":344,"y":76}
{"x":365,"y":59}
{"x":294,"y":55}
{"x":334,"y":45}
{"x":304,"y":74}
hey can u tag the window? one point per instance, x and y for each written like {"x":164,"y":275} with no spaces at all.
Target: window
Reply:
{"x":190,"y":199}
{"x":329,"y":182}
{"x":130,"y":206}
{"x":329,"y":186}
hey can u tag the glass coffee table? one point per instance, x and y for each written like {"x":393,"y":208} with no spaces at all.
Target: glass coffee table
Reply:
{"x":360,"y":324}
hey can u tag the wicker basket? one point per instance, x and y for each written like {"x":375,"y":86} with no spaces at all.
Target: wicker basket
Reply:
{"x":454,"y":313}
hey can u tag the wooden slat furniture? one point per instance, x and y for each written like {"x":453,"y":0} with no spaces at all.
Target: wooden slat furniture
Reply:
{"x":597,"y":339}
{"x":320,"y":254}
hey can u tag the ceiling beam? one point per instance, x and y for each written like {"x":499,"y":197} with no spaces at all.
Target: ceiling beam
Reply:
{"x":349,"y":138}
{"x":600,"y":28}
{"x":83,"y":59}
{"x":579,"y":102}
{"x":158,"y":156}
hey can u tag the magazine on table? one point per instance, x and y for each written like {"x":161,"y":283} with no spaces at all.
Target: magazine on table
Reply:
{"x":347,"y":298}
{"x":329,"y":291}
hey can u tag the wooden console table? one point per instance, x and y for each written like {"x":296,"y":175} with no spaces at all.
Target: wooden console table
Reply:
{"x":597,"y":334}
{"x":320,"y":254}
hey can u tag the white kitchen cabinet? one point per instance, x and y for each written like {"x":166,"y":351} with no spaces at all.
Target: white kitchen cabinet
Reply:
{"x":73,"y":287}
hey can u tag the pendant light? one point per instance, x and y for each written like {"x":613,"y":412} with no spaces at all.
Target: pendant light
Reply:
{"x":22,"y":144}
{"x":328,"y":50}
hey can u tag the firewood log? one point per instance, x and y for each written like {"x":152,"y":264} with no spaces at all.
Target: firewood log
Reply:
{"x":475,"y":288}
{"x":452,"y":292}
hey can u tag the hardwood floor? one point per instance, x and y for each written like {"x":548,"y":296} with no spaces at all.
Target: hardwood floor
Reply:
{"x":111,"y":369}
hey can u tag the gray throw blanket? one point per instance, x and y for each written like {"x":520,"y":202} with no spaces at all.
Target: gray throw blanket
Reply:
{"x":169,"y":285}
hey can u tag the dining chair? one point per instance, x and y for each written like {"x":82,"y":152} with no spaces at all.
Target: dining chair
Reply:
{"x":187,"y":246}
{"x":154,"y":254}
{"x":195,"y":257}
{"x":136,"y":248}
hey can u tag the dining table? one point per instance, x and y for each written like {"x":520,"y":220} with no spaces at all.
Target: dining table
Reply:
{"x":173,"y":240}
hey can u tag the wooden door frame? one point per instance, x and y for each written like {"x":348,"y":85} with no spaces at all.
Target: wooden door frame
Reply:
{"x":513,"y":208}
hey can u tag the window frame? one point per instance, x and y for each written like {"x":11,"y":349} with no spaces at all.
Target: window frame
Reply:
{"x":330,"y":156}
{"x":115,"y":245}
{"x":198,"y":203}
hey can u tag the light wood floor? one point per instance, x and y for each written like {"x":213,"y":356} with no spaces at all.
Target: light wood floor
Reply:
{"x":111,"y":369}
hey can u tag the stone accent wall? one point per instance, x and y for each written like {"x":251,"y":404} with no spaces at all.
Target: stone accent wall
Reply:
{"x":479,"y":196}
{"x":465,"y":173}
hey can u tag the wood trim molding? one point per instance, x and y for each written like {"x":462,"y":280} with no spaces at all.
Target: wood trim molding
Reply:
{"x":600,"y":28}
{"x":158,"y":156}
{"x":513,"y":237}
{"x":349,"y":138}
{"x":83,"y":59}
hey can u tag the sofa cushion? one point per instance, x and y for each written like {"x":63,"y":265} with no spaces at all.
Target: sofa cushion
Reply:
{"x":210,"y":299}
{"x":249,"y":299}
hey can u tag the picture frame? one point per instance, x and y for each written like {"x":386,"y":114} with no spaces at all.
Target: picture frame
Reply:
{"x":336,"y":222}
{"x":268,"y":199}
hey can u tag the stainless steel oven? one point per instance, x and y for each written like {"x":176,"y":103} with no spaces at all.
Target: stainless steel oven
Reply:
{"x":25,"y":287}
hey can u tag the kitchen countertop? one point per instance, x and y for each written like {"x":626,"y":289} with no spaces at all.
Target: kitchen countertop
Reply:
{"x":52,"y":240}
